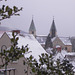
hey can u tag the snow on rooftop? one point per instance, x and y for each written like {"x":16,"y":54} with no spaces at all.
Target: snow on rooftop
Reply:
{"x":1,"y":33}
{"x":41,"y":39}
{"x":65,"y":40}
{"x":7,"y":32}
{"x":34,"y":46}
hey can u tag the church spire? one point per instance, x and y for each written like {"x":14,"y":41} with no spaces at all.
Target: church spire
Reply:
{"x":53,"y":30}
{"x":32,"y":29}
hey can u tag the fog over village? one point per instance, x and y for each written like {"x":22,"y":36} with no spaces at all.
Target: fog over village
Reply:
{"x":43,"y":12}
{"x":37,"y":37}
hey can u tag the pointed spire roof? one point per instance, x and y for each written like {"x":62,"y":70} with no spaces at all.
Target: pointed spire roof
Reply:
{"x":53,"y":27}
{"x":32,"y":26}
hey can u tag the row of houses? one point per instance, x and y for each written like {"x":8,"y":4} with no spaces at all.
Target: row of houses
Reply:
{"x":36,"y":45}
{"x":17,"y":67}
{"x":59,"y":43}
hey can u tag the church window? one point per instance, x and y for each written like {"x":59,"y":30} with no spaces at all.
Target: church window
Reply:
{"x":32,"y":32}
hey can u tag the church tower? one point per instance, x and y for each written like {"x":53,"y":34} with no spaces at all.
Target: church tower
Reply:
{"x":53,"y":31}
{"x":32,"y":29}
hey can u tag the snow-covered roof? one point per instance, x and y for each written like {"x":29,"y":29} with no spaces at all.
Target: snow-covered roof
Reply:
{"x":34,"y":46}
{"x":65,"y":40}
{"x":41,"y":39}
{"x":7,"y":32}
{"x":1,"y":33}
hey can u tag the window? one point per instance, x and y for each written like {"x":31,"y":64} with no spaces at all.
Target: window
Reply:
{"x":32,"y":32}
{"x":65,"y":48}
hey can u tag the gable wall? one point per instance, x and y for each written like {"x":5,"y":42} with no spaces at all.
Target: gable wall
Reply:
{"x":5,"y":40}
{"x":57,"y":41}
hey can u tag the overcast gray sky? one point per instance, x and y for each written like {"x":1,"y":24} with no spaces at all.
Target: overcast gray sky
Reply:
{"x":43,"y":11}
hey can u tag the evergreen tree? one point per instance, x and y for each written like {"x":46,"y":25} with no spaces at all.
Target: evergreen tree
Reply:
{"x":67,"y":67}
{"x":47,"y":66}
{"x":48,"y":43}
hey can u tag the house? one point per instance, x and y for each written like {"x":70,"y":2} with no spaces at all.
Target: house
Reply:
{"x":17,"y":67}
{"x":63,"y":42}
